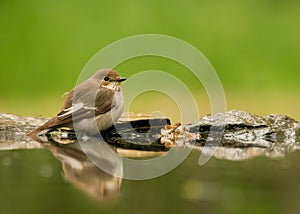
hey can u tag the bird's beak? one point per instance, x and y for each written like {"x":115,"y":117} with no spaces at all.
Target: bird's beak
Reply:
{"x":121,"y":79}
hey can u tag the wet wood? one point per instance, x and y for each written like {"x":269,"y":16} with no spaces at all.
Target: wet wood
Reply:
{"x":235,"y":130}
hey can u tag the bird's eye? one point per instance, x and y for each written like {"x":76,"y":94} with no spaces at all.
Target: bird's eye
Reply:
{"x":106,"y":78}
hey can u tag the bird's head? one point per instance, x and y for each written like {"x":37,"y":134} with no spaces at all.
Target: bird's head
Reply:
{"x":109,"y":79}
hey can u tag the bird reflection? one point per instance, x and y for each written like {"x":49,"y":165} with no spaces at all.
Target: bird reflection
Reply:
{"x":97,"y":169}
{"x":82,"y":172}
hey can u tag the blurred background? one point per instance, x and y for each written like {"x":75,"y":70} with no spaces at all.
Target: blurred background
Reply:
{"x":253,"y":45}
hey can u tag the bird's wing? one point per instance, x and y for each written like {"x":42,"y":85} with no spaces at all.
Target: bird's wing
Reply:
{"x":68,"y":112}
{"x":83,"y":108}
{"x":105,"y":101}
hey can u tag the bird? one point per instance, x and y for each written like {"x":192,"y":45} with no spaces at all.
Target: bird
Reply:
{"x":98,"y":100}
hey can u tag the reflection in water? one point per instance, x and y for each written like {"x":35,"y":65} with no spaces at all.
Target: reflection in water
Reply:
{"x":77,"y":167}
{"x":86,"y":175}
{"x":239,"y":154}
{"x":80,"y":171}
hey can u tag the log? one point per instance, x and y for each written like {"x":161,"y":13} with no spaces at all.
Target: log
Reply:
{"x":233,"y":133}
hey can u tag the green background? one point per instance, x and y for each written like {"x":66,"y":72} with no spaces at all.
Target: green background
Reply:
{"x":253,"y":45}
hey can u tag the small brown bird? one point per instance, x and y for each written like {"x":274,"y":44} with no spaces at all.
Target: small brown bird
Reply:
{"x":96,"y":101}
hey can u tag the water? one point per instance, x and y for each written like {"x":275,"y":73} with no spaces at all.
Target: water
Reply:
{"x":47,"y":178}
{"x":33,"y":181}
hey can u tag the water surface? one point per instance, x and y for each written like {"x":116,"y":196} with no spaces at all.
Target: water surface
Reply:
{"x":33,"y":181}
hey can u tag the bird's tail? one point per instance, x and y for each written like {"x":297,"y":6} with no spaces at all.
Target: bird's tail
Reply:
{"x":49,"y":124}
